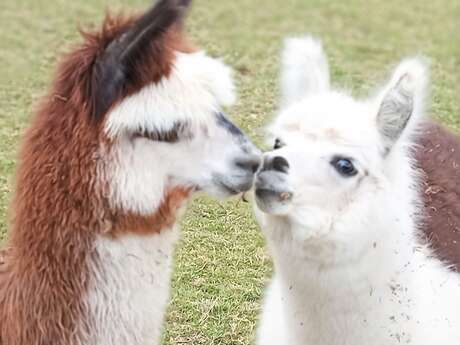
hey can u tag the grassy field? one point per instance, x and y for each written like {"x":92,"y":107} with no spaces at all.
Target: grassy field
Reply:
{"x":222,"y":264}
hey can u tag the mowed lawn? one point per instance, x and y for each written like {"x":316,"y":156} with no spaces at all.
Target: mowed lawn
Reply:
{"x":222,"y":264}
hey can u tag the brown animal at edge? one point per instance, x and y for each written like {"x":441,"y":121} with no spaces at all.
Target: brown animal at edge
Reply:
{"x":438,"y":155}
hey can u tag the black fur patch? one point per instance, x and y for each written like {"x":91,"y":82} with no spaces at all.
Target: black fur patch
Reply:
{"x":113,"y":69}
{"x":227,"y":124}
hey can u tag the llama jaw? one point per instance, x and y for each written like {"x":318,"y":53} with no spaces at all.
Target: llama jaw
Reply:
{"x":237,"y":188}
{"x":236,"y":184}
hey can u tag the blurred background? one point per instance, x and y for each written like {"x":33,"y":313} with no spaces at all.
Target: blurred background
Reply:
{"x":222,"y":264}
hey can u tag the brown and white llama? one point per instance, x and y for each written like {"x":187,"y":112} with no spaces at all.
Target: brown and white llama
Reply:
{"x":131,"y":128}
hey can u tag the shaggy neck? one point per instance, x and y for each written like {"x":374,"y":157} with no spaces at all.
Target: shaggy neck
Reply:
{"x":340,"y":267}
{"x":347,"y":293}
{"x":48,"y":270}
{"x":57,"y":212}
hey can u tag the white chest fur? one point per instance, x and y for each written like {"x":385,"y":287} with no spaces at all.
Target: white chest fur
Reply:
{"x":370,"y":301}
{"x":129,"y":289}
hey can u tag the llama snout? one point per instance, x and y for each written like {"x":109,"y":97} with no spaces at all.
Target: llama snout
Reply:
{"x":272,"y":187}
{"x":276,"y":163}
{"x":246,"y":167}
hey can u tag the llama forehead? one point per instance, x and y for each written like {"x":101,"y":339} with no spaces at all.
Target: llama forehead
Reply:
{"x":197,"y":88}
{"x":330,"y":117}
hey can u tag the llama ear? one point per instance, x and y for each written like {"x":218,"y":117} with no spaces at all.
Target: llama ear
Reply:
{"x":305,"y":69}
{"x":113,"y":66}
{"x":402,"y":100}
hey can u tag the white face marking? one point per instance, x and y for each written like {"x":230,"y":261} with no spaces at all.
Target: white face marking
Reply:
{"x":197,"y":87}
{"x":205,"y":158}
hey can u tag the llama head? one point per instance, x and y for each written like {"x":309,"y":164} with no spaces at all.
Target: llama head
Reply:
{"x":160,"y":105}
{"x":332,"y":152}
{"x":132,"y":124}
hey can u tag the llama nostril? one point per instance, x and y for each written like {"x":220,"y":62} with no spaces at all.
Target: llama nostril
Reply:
{"x":277,"y":163}
{"x":280,"y":164}
{"x":250,"y":163}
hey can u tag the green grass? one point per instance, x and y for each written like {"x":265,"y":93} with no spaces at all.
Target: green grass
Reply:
{"x":221,"y":263}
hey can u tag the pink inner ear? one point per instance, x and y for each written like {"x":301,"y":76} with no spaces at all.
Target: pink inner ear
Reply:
{"x":395,"y":111}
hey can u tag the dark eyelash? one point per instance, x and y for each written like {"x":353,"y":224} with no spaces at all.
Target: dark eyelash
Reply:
{"x":176,"y":133}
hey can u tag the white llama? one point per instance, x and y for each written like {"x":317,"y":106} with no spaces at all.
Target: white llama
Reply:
{"x":337,"y":200}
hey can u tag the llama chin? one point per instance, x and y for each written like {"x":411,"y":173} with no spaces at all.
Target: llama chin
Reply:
{"x":131,"y":127}
{"x":338,"y":200}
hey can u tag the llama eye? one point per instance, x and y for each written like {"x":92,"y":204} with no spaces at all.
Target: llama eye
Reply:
{"x":344,"y":166}
{"x":278,"y":144}
{"x":166,"y":137}
{"x":175,"y":134}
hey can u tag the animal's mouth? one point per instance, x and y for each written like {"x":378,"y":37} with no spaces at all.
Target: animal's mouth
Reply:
{"x":229,"y":189}
{"x":236,"y":189}
{"x":273,"y":192}
{"x":275,"y":182}
{"x":280,"y":196}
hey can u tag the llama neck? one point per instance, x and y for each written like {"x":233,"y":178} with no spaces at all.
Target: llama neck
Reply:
{"x":348,"y":294}
{"x":61,"y":258}
{"x":342,"y":267}
{"x":60,"y":211}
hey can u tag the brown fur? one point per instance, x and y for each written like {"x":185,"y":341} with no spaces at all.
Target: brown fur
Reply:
{"x":439,"y":158}
{"x":164,"y":218}
{"x":58,"y":208}
{"x":149,"y":68}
